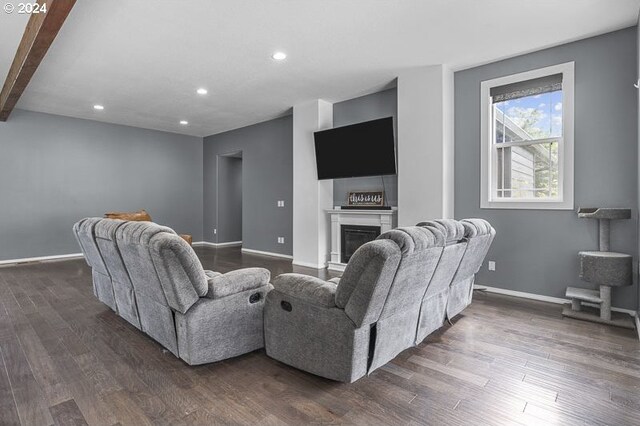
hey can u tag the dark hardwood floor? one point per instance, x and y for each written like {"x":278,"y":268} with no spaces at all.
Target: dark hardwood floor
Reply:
{"x":67,"y":359}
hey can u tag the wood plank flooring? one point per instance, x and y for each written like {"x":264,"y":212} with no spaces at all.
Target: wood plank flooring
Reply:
{"x":66,"y":359}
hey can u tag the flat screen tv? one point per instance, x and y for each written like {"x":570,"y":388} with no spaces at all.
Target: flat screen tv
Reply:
{"x":363,"y":149}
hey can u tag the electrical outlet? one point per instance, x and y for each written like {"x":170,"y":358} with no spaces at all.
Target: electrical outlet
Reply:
{"x":280,"y":240}
{"x":280,"y":203}
{"x":215,"y":231}
{"x":492,"y":265}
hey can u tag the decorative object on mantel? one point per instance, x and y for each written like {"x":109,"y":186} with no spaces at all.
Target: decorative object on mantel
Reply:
{"x":141,"y":216}
{"x":366,"y":200}
{"x":605,"y":268}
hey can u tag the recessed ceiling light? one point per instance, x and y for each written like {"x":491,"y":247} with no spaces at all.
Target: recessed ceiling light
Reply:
{"x":184,"y":122}
{"x":202,"y":91}
{"x":279,"y":56}
{"x":98,"y":107}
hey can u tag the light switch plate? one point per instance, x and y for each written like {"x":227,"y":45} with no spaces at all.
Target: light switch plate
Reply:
{"x":492,"y":265}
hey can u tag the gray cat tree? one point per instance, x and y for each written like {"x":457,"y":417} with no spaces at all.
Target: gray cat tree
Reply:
{"x":603,"y":268}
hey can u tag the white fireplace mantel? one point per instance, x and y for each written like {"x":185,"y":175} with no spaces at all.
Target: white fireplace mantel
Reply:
{"x":385,"y":219}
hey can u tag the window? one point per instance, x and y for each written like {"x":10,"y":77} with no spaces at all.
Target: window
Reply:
{"x":527,"y":140}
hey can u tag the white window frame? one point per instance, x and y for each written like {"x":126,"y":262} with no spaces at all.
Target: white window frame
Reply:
{"x":488,"y":161}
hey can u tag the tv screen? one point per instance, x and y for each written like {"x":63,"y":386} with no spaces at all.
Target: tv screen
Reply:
{"x":363,"y":149}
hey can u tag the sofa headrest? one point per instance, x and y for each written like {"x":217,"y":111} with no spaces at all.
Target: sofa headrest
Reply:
{"x":476,"y":227}
{"x":452,"y":229}
{"x":414,"y":238}
{"x":85,"y":226}
{"x":139,"y":232}
{"x":173,"y":256}
{"x":106,"y":228}
{"x":366,"y":280}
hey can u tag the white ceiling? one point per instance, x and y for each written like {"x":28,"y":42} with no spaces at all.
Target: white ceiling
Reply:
{"x":143,"y":60}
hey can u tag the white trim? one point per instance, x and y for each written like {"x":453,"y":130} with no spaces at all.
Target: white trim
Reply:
{"x":42,"y":259}
{"x":309,"y":265}
{"x":542,"y":298}
{"x":217,"y":245}
{"x":565,"y":153}
{"x":638,"y":323}
{"x":266,"y":253}
{"x":338,"y":267}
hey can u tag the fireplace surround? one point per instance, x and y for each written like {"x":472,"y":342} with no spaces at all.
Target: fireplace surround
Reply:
{"x":365,"y":220}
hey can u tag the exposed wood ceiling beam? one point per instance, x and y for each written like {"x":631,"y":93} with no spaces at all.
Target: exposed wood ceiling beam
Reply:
{"x":38,"y":36}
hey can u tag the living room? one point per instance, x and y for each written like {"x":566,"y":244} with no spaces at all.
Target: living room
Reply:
{"x":242,"y":212}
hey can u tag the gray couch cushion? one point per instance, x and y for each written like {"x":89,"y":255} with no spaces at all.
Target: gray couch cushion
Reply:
{"x":84,"y":233}
{"x":396,"y":327}
{"x":412,"y":239}
{"x":216,"y":329}
{"x":479,"y":234}
{"x":125,"y":299}
{"x":434,"y":301}
{"x":477,"y":227}
{"x":366,"y":280}
{"x":105,"y":232}
{"x":421,"y":250}
{"x":305,"y":287}
{"x":452,"y":229}
{"x":318,"y":339}
{"x":179,"y":270}
{"x":223,"y":285}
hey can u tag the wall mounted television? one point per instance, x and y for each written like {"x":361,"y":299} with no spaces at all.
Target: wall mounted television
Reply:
{"x":363,"y":149}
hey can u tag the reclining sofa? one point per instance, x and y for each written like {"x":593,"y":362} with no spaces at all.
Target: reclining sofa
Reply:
{"x":394,"y":292}
{"x":153,"y":279}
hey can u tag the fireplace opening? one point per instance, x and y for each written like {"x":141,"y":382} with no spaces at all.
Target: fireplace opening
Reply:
{"x":353,"y":236}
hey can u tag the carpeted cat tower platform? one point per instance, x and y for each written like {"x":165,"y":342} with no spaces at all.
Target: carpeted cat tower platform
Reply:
{"x":603,"y":268}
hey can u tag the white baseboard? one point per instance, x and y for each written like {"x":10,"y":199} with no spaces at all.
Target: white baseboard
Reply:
{"x":309,"y":264}
{"x":336,"y":267}
{"x":638,"y":323}
{"x":542,"y":298}
{"x":41,"y":259}
{"x":266,"y":253}
{"x":217,"y":245}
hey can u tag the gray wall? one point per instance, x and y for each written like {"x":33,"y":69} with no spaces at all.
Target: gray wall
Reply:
{"x":229,"y":198}
{"x":267,"y":176}
{"x":56,"y":170}
{"x":637,"y":77}
{"x":370,"y":107}
{"x":536,"y":251}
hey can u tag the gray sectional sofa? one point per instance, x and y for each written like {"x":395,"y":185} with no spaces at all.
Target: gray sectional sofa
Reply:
{"x":394,"y":292}
{"x":153,"y":279}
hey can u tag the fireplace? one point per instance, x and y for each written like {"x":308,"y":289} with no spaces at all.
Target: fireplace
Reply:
{"x":353,"y":236}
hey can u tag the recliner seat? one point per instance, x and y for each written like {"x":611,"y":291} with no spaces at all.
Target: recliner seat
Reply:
{"x":345,"y":330}
{"x":199,"y":316}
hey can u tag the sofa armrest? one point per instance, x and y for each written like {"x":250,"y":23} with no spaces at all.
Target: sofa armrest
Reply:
{"x":310,"y":289}
{"x":222,"y":285}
